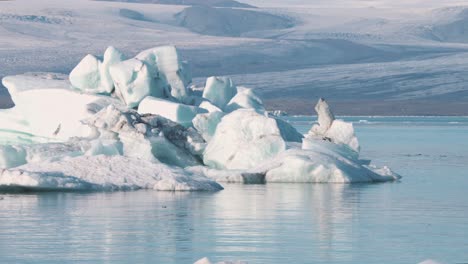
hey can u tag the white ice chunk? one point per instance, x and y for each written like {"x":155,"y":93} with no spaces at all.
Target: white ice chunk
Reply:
{"x":319,"y":162}
{"x":16,"y":155}
{"x":103,"y":173}
{"x":337,"y":131}
{"x":86,"y":76}
{"x":170,"y":72}
{"x":12,"y":156}
{"x":245,"y":98}
{"x":342,"y":132}
{"x":111,"y":56}
{"x":243,"y":139}
{"x":180,"y":113}
{"x":57,"y":113}
{"x":325,"y":117}
{"x":206,"y":124}
{"x":133,"y":81}
{"x":322,"y":162}
{"x":17,"y":84}
{"x":219,"y":91}
{"x":91,"y":75}
{"x":209,"y":107}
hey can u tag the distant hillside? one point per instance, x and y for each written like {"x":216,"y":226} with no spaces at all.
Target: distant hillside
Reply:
{"x":228,"y":22}
{"x":213,"y":3}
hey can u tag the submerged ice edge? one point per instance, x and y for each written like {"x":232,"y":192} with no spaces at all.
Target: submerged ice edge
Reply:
{"x":119,"y":124}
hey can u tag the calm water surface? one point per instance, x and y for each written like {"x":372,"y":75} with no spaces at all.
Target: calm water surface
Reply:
{"x":423,"y":216}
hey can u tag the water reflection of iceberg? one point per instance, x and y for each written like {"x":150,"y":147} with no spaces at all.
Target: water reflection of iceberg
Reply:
{"x":306,"y":221}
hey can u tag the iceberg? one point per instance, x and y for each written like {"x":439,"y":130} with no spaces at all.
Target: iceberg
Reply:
{"x":132,"y":124}
{"x":179,"y":113}
{"x":219,"y":91}
{"x":170,"y":72}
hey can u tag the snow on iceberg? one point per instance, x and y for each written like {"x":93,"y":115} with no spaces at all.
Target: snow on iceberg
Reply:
{"x":177,"y":112}
{"x":54,"y":113}
{"x":152,"y":131}
{"x":16,"y":84}
{"x":103,"y":173}
{"x":16,"y":155}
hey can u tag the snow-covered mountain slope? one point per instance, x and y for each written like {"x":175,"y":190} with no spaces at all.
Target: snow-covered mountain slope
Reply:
{"x":214,"y":3}
{"x":384,"y":51}
{"x":229,"y":22}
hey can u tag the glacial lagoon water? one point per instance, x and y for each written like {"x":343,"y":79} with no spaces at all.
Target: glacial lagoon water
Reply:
{"x":424,"y":216}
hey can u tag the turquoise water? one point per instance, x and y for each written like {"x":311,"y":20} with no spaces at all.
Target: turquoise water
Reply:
{"x":425,"y":216}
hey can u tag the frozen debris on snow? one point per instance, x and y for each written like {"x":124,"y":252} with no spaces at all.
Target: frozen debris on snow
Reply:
{"x":149,"y":137}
